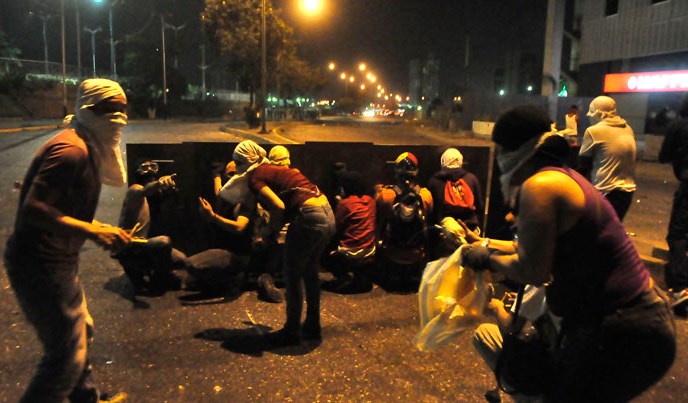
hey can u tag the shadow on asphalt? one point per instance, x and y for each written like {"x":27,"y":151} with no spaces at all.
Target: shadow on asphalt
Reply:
{"x":252,"y":342}
{"x":122,"y":287}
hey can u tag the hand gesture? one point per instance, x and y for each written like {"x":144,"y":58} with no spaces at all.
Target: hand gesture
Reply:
{"x":109,"y":237}
{"x":205,"y":209}
{"x":167,"y":182}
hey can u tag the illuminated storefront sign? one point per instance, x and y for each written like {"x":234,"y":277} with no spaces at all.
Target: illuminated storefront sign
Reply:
{"x":658,"y":81}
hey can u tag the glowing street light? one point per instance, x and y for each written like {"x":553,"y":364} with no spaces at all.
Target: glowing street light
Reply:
{"x":363,"y":87}
{"x":311,"y":6}
{"x":342,"y":76}
{"x":362,"y":67}
{"x":331,"y":66}
{"x":352,"y":79}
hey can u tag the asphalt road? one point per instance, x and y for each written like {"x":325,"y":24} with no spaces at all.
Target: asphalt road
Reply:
{"x":181,"y":348}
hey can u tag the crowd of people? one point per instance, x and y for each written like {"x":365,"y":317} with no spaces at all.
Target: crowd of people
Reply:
{"x":607,"y":328}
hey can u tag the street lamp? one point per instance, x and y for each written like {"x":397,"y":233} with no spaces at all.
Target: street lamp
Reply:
{"x":176,"y":29}
{"x":310,"y":6}
{"x":93,"y":33}
{"x":113,"y":43}
{"x":44,"y":19}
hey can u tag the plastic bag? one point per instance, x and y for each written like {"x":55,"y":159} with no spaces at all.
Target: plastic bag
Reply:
{"x":451,"y":298}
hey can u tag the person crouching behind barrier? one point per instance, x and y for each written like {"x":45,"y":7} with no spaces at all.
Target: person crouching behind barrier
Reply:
{"x":355,"y":218}
{"x":148,"y":262}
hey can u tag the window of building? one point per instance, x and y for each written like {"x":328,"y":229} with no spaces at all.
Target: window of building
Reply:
{"x":611,"y":7}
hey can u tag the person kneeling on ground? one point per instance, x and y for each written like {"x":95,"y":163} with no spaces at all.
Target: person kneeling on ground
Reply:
{"x":355,"y":217}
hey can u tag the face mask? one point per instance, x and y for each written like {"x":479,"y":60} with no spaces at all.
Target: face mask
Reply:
{"x":104,"y":134}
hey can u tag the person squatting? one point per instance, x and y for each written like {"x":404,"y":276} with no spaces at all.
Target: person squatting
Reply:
{"x":268,"y":215}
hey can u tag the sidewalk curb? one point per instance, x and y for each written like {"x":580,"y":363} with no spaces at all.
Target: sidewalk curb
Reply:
{"x":258,"y":138}
{"x":30,"y":128}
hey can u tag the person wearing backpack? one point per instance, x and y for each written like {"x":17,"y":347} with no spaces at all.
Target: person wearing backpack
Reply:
{"x":457,"y":195}
{"x":402,"y":211}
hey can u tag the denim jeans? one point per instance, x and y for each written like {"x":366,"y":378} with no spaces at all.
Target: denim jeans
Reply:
{"x":306,"y":239}
{"x":53,"y":301}
{"x":620,"y":357}
{"x":150,"y":264}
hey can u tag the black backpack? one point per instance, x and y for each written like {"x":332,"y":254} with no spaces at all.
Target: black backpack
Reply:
{"x":407,"y":227}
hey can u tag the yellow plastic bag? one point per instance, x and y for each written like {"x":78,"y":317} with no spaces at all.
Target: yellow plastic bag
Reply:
{"x":451,"y":298}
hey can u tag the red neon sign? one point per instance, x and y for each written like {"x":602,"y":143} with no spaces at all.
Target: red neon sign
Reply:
{"x":656,"y":81}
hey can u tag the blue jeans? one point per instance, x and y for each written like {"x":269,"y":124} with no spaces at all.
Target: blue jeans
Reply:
{"x":306,"y":240}
{"x":53,"y":301}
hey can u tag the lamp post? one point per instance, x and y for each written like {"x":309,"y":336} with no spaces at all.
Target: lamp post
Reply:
{"x":44,"y":19}
{"x":164,"y":68}
{"x":203,"y":68}
{"x":64,"y":58}
{"x":263,"y":71}
{"x":93,"y":33}
{"x":78,"y":39}
{"x":175,"y":29}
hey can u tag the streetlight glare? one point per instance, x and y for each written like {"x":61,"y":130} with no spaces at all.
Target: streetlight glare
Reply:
{"x":342,"y":76}
{"x":311,"y":6}
{"x":331,"y":66}
{"x":362,"y":66}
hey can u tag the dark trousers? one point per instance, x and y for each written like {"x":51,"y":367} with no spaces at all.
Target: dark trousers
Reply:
{"x":621,"y":201}
{"x":676,"y":269}
{"x":618,"y":358}
{"x":306,"y":239}
{"x":54,"y":303}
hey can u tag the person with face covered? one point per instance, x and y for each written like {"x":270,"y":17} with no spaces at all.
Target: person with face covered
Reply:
{"x":57,"y":204}
{"x":148,"y":262}
{"x":291,"y":198}
{"x":617,"y":332}
{"x":607,"y":154}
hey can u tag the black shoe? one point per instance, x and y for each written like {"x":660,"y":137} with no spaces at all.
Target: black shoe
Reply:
{"x":267,"y":290}
{"x":283,"y":338}
{"x":492,"y":395}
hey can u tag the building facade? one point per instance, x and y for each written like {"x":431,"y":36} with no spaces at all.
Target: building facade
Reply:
{"x":635,"y":51}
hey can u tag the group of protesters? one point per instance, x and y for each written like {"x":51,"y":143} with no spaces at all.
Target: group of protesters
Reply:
{"x":614,"y":336}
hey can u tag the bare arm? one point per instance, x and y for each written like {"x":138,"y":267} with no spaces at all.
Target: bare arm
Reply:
{"x":38,"y":211}
{"x":550,"y":204}
{"x":234,"y":226}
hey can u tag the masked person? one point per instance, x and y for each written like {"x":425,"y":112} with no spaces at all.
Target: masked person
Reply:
{"x":55,"y":217}
{"x":148,"y":262}
{"x":607,"y":154}
{"x":617,"y":332}
{"x":290,"y":197}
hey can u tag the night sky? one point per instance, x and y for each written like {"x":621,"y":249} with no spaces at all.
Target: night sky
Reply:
{"x":386,"y":34}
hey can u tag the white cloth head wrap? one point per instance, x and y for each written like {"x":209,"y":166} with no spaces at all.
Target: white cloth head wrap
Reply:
{"x":248,"y":152}
{"x":510,"y":162}
{"x":279,"y":155}
{"x":236,"y":189}
{"x":452,"y":158}
{"x":602,"y":107}
{"x":102,"y":132}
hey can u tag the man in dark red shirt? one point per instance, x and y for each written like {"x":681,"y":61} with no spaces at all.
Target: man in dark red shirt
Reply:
{"x":55,"y":217}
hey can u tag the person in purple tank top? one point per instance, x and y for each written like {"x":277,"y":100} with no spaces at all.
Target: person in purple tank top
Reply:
{"x":617,"y":333}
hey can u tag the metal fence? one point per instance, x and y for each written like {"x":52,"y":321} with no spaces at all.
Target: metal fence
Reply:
{"x":41,"y":69}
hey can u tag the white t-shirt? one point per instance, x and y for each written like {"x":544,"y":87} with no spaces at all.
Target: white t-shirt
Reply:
{"x":611,"y":145}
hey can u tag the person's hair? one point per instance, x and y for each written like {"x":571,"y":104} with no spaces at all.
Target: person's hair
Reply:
{"x":352,"y":183}
{"x":518,"y":125}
